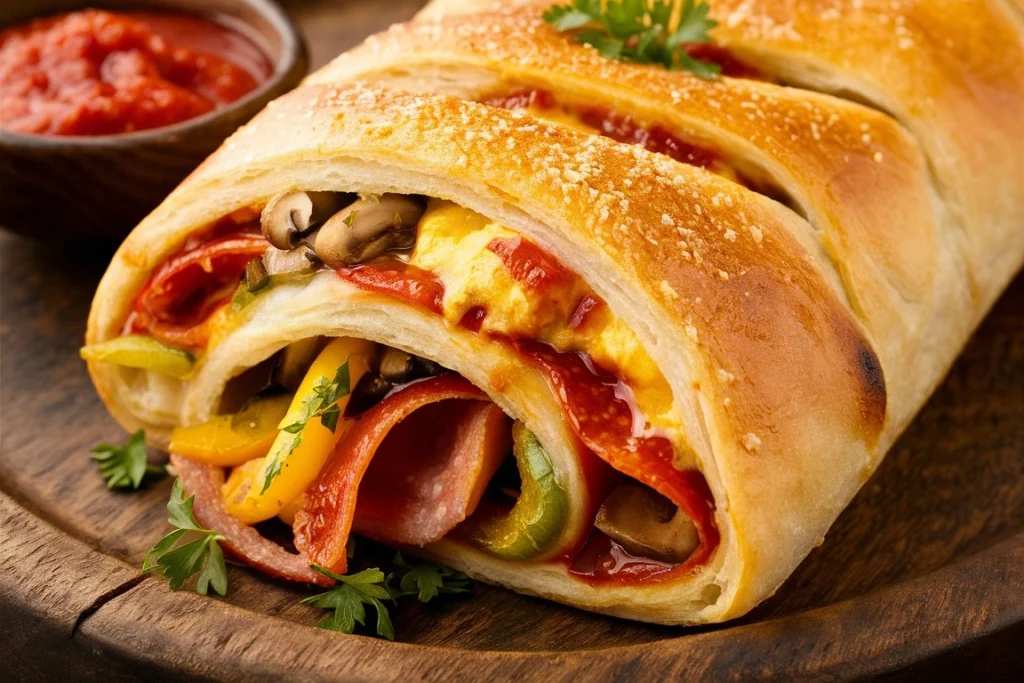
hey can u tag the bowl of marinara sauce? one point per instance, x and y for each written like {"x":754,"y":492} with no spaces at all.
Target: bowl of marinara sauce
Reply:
{"x":105,"y":106}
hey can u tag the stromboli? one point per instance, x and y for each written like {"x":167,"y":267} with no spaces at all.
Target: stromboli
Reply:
{"x":777,"y":389}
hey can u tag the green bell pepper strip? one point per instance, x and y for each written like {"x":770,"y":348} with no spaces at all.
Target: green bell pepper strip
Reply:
{"x":141,"y":351}
{"x":539,"y":515}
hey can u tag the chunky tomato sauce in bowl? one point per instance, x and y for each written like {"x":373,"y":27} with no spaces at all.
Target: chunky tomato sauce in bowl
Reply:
{"x":107,"y":105}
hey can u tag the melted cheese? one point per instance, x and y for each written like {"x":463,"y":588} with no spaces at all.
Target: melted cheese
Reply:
{"x":453,"y":245}
{"x":566,"y":117}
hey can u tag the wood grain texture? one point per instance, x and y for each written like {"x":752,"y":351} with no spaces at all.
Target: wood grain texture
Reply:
{"x":927,"y":562}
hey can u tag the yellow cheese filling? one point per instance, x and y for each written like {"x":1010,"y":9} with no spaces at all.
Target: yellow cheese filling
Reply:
{"x":453,"y":245}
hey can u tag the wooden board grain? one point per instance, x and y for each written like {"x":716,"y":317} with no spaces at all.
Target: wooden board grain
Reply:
{"x":927,"y":562}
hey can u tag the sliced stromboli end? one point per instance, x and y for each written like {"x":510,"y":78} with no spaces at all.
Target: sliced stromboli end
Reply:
{"x":679,"y":299}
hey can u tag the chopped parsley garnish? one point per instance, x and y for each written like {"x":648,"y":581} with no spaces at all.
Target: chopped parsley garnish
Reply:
{"x":639,"y":31}
{"x":124,"y":467}
{"x":323,"y":404}
{"x":177,"y":561}
{"x":348,"y":600}
{"x":429,"y":580}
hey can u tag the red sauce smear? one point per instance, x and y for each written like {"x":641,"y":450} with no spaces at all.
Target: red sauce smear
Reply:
{"x":530,"y":265}
{"x":473,"y":318}
{"x":399,"y":279}
{"x":182,"y":294}
{"x":101,"y":73}
{"x":603,"y":559}
{"x":618,"y":127}
{"x":623,"y":128}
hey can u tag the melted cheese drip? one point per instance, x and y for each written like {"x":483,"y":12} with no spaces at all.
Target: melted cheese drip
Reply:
{"x":452,"y":244}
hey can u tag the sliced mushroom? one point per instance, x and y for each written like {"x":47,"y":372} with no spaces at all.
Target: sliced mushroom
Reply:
{"x":396,"y":365}
{"x":647,"y":524}
{"x":424,"y":367}
{"x":368,"y":392}
{"x":301,"y":259}
{"x":290,"y":216}
{"x":369,"y":227}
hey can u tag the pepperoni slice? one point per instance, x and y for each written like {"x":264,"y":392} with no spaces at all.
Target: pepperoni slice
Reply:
{"x":182,"y":293}
{"x":244,"y":542}
{"x":433,"y":445}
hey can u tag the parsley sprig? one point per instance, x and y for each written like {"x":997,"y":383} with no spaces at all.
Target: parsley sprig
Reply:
{"x":640,"y":31}
{"x":125,"y":466}
{"x":323,"y":404}
{"x":349,"y":598}
{"x":429,"y":580}
{"x":202,"y":554}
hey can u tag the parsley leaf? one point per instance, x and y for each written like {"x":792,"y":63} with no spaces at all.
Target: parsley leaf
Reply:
{"x":639,"y":31}
{"x":349,"y":598}
{"x":125,"y":466}
{"x":429,"y":580}
{"x":201,"y":554}
{"x":323,"y":404}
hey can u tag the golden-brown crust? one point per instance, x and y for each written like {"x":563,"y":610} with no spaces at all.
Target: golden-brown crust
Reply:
{"x":849,"y":168}
{"x":763,"y":354}
{"x":951,"y":72}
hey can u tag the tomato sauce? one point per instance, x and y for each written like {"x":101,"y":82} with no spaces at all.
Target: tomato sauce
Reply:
{"x":101,"y":73}
{"x":618,"y":127}
{"x":473,"y":318}
{"x":603,"y":559}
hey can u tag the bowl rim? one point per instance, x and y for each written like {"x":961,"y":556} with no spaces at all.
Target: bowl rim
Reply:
{"x":294,"y":53}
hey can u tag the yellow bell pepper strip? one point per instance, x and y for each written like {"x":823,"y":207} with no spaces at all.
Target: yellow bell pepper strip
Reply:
{"x":230,"y":440}
{"x":241,"y":479}
{"x":141,"y":351}
{"x":539,"y":515}
{"x":309,"y":432}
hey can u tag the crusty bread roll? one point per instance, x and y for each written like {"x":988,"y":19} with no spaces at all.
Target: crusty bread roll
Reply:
{"x":797,"y":332}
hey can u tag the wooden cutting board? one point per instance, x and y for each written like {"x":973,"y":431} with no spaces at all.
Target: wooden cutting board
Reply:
{"x":922,"y":577}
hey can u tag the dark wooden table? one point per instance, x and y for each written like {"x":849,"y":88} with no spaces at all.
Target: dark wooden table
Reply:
{"x":921,"y":578}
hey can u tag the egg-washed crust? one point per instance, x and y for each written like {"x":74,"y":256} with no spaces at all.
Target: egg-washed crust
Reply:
{"x":851,"y":169}
{"x":951,"y":71}
{"x":782,"y":395}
